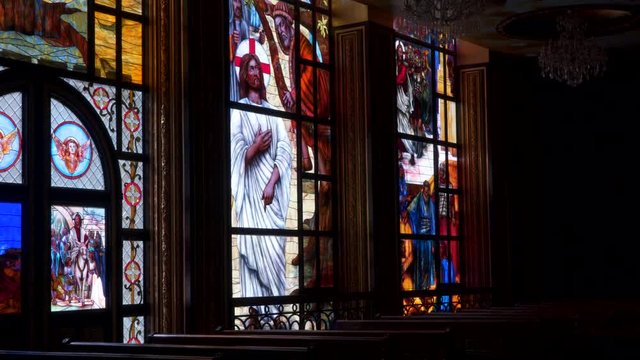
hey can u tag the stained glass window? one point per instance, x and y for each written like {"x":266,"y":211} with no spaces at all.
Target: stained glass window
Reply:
{"x":52,"y":33}
{"x":133,"y":330}
{"x":103,"y":100}
{"x":10,"y":257}
{"x":78,"y":258}
{"x":132,"y":194}
{"x":428,"y":192}
{"x":83,"y":135}
{"x":132,"y":272}
{"x":11,"y":138}
{"x":74,"y":157}
{"x":280,"y":142}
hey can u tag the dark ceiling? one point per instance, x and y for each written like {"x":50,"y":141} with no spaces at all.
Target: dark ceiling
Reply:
{"x":522,"y":26}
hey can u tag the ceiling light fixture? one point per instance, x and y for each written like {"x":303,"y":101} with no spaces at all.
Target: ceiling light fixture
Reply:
{"x":572,"y":57}
{"x":450,"y":19}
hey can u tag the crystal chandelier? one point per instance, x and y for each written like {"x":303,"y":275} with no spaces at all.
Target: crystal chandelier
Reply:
{"x":571,"y":58}
{"x":449,"y":18}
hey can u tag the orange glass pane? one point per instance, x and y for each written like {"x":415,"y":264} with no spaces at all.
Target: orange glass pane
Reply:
{"x":323,"y":94}
{"x":306,"y":34}
{"x":109,"y":3}
{"x":105,"y":45}
{"x":132,"y":6}
{"x":132,"y":51}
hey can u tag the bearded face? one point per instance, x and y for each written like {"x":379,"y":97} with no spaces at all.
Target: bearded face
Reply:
{"x":285,"y":32}
{"x":254,"y":77}
{"x":237,"y":9}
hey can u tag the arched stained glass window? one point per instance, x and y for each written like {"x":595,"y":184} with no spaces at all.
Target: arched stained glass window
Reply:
{"x":282,"y":242}
{"x":72,"y":168}
{"x":428,"y":192}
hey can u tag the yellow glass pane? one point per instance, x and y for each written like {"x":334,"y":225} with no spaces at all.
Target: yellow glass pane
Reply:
{"x":131,"y":51}
{"x":105,"y":45}
{"x":132,"y":6}
{"x":440,"y":72}
{"x":450,"y":74}
{"x":452,"y":135}
{"x":109,"y":3}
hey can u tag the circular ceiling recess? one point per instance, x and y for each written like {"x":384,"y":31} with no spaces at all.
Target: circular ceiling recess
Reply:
{"x":600,"y":20}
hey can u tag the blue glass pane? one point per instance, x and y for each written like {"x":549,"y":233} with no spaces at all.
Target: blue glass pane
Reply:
{"x":10,"y":257}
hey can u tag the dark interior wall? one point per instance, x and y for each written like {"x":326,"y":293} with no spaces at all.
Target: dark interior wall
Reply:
{"x":562,"y":159}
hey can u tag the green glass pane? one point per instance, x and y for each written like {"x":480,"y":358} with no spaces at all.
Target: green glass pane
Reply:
{"x":132,"y":6}
{"x":105,"y":45}
{"x":52,"y":33}
{"x":131,"y":51}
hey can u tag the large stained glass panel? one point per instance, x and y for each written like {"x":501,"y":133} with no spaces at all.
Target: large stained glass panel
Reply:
{"x":52,"y":33}
{"x":133,"y":330}
{"x":132,"y":272}
{"x":105,"y":45}
{"x":131,"y":51}
{"x":132,"y":121}
{"x":414,"y":91}
{"x":103,"y":100}
{"x":11,"y":138}
{"x":263,"y":265}
{"x":10,"y":257}
{"x":78,"y":262}
{"x":75,"y":162}
{"x":132,"y":194}
{"x":260,"y":145}
{"x":265,"y":31}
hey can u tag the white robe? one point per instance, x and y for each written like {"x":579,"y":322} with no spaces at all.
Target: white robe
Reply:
{"x":262,"y":258}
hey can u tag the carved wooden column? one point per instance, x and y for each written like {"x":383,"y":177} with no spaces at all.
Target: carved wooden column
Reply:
{"x":475,"y":177}
{"x":352,"y":159}
{"x":166,"y":78}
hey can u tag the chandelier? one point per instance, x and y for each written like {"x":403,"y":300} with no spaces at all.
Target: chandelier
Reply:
{"x":450,"y":19}
{"x":571,"y":58}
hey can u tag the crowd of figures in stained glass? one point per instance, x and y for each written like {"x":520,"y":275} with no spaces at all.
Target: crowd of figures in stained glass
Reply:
{"x":78,"y":263}
{"x":428,"y":194}
{"x":280,"y":140}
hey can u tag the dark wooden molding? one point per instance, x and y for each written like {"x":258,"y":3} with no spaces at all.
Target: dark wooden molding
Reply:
{"x":166,"y":81}
{"x":475,"y":177}
{"x":352,"y":159}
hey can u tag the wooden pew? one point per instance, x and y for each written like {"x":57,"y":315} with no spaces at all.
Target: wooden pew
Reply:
{"x":429,"y":344}
{"x":501,"y":338}
{"x":371,"y":346}
{"x":224,"y":352}
{"x":36,"y":355}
